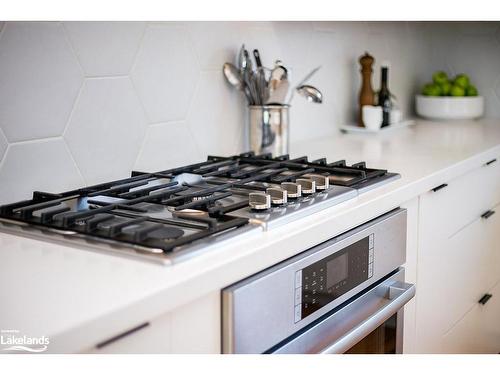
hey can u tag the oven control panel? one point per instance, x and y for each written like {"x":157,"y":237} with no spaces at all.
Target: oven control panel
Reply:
{"x":320,"y":283}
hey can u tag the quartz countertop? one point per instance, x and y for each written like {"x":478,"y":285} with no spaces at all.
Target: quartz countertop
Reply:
{"x":72,"y":295}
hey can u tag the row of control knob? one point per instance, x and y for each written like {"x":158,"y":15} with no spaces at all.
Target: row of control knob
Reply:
{"x":288,"y":190}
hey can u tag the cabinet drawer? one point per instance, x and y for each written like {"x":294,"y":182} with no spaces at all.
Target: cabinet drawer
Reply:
{"x":448,"y":280}
{"x":489,"y":327}
{"x":490,"y":270}
{"x":478,"y":331}
{"x":448,"y":209}
{"x":492,"y":181}
{"x":453,"y":274}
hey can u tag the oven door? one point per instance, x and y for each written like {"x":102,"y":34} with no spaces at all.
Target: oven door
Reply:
{"x":371,"y":322}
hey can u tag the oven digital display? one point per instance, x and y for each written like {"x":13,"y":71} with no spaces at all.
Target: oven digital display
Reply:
{"x":336,"y":270}
{"x":331,"y":277}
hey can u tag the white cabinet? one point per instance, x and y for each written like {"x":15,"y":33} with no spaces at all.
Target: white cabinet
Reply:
{"x":458,"y":261}
{"x":193,"y":328}
{"x":478,"y":331}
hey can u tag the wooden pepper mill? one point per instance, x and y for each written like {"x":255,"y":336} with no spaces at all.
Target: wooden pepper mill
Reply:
{"x":366,"y":94}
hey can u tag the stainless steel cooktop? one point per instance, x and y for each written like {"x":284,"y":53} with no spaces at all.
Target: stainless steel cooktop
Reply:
{"x":171,"y":215}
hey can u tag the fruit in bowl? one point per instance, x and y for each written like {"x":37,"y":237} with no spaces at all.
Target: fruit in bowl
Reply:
{"x":449,"y":98}
{"x":442,"y":85}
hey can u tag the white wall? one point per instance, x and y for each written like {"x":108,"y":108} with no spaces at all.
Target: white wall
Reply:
{"x":86,"y":102}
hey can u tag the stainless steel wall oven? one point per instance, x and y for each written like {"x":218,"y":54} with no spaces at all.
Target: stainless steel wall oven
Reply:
{"x":343,"y":296}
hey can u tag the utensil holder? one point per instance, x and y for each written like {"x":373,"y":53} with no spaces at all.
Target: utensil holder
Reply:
{"x":269,"y":129}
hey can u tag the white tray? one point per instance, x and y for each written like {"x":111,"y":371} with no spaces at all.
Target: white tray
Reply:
{"x":387,"y":129}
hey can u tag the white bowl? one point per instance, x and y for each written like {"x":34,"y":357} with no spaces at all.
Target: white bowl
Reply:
{"x":449,"y":107}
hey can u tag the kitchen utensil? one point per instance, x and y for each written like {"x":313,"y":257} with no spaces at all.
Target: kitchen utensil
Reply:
{"x":278,"y":74}
{"x":261,"y":77}
{"x":311,"y":93}
{"x":249,"y":78}
{"x":308,"y":76}
{"x":278,"y":84}
{"x":303,"y":81}
{"x":242,"y":60}
{"x":235,"y":79}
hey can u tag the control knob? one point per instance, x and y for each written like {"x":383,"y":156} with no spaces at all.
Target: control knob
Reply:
{"x":293,"y":190}
{"x":322,"y":182}
{"x":308,"y":186}
{"x":259,"y":201}
{"x":278,"y":196}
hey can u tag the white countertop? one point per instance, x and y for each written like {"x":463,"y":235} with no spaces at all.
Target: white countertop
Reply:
{"x":78,"y":296}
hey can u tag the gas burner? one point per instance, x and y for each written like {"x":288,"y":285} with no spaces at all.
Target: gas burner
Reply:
{"x":170,"y":213}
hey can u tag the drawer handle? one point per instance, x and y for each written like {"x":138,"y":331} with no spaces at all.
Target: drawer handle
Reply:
{"x":491,"y":161}
{"x":442,"y":186}
{"x":485,"y":299}
{"x":121,"y":335}
{"x":487,"y":214}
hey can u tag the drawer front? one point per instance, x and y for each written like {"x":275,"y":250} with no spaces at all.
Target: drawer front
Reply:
{"x":463,"y":337}
{"x":448,"y":281}
{"x":491,"y":250}
{"x":478,"y":331}
{"x":458,"y":202}
{"x":492,"y":180}
{"x":455,"y":272}
{"x":489,"y":327}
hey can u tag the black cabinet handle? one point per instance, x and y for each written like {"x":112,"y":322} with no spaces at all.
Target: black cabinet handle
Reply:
{"x":121,"y":335}
{"x":487,"y":214}
{"x":485,"y":299}
{"x":491,"y":161}
{"x":442,"y":186}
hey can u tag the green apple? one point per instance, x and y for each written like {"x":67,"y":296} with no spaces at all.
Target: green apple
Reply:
{"x":471,"y":90}
{"x":445,"y":88}
{"x":439,"y":77}
{"x":461,"y":80}
{"x":457,"y":90}
{"x":431,"y":89}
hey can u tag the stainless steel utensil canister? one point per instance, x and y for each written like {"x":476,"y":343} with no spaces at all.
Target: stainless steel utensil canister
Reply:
{"x":269,"y":129}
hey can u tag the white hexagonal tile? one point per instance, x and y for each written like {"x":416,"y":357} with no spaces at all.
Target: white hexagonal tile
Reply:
{"x":167,"y":145}
{"x":44,"y":165}
{"x":480,"y":70}
{"x":294,"y":39}
{"x":263,"y":37}
{"x":3,"y":145}
{"x":105,"y":48}
{"x":217,"y":116}
{"x":165,"y":72}
{"x":39,"y":80}
{"x":217,"y":42}
{"x":106,"y":129}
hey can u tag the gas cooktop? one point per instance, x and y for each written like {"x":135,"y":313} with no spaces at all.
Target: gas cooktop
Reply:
{"x":174,"y":214}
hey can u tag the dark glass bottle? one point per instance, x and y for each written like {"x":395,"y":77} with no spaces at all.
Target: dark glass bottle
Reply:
{"x":384,"y":98}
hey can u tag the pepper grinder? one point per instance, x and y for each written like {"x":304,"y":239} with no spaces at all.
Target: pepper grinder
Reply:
{"x":366,"y":94}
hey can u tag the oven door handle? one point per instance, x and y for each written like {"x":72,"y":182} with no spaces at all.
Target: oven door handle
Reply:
{"x":397,"y":296}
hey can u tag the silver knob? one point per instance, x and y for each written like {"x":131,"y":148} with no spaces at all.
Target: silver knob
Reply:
{"x":293,"y":190}
{"x":259,"y":201}
{"x":308,"y":186}
{"x":322,"y":182}
{"x":278,"y":196}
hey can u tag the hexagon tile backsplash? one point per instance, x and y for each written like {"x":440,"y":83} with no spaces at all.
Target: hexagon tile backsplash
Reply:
{"x":86,"y":102}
